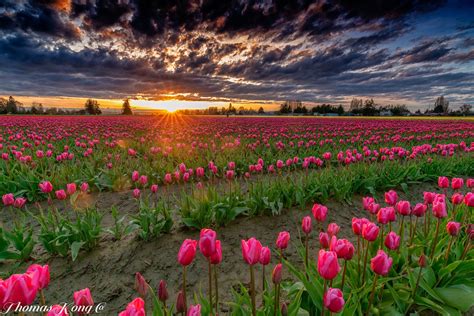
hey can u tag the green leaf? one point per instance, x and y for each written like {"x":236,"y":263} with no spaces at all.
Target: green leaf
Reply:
{"x":75,"y":247}
{"x":458,"y":296}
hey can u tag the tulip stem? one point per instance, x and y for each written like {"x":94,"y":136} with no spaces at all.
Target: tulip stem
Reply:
{"x":42,"y":300}
{"x":324,"y":292}
{"x":416,"y":287}
{"x":466,"y":248}
{"x":358,"y":254}
{"x":306,"y":257}
{"x":435,"y":240}
{"x":263,"y":278}
{"x":252,"y":290}
{"x":277,"y":299}
{"x":343,"y":275}
{"x":184,"y":290}
{"x":381,"y":236}
{"x":413,"y":231}
{"x":372,"y":293}
{"x":210,"y":284}
{"x":365,"y":261}
{"x":400,"y":233}
{"x":449,"y":248}
{"x":217,"y":289}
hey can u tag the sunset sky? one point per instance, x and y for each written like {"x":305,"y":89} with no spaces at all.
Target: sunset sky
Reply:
{"x":201,"y":53}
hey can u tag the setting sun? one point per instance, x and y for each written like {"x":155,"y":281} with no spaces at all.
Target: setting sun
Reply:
{"x":173,"y":105}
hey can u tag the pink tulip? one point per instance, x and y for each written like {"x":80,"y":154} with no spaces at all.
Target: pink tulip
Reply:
{"x":19,"y":288}
{"x":71,"y":188}
{"x":453,"y":228}
{"x":328,"y":266}
{"x":136,"y":193}
{"x":342,"y":247}
{"x":428,"y":197}
{"x":319,"y":212}
{"x":381,"y":263}
{"x":207,"y":242}
{"x":265,"y":255}
{"x":251,"y":250}
{"x":419,"y":210}
{"x":392,"y":241}
{"x":200,"y":172}
{"x":457,"y":183}
{"x":216,"y":257}
{"x":374,"y":208}
{"x":141,"y":286}
{"x":385,"y":214}
{"x":154,"y":188}
{"x":84,"y":187}
{"x":324,"y":240}
{"x":229,"y":174}
{"x":333,"y":229}
{"x":366,"y":201}
{"x":391,"y":197}
{"x":83,"y":298}
{"x":19,"y":202}
{"x":469,"y":199}
{"x":358,"y":224}
{"x":306,"y":225}
{"x":282,"y":240}
{"x":134,"y":308}
{"x":58,"y":310}
{"x":135,"y":176}
{"x":370,"y":231}
{"x":143,"y":180}
{"x":194,"y":310}
{"x":46,"y":187}
{"x":61,"y":194}
{"x":162,"y":291}
{"x":457,"y":198}
{"x":439,"y":209}
{"x":168,"y":178}
{"x":8,"y":199}
{"x":40,"y":275}
{"x":403,"y":208}
{"x":470,"y":183}
{"x":443,"y":182}
{"x":187,"y":252}
{"x":334,"y":300}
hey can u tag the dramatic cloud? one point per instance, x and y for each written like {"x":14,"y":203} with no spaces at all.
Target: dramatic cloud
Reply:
{"x":238,"y":50}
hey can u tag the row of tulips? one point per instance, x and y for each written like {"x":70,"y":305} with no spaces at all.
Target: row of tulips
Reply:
{"x":372,"y":268}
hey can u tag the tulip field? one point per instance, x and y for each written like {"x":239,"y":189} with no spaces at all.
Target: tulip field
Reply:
{"x":187,"y":215}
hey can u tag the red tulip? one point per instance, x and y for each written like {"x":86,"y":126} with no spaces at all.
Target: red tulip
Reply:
{"x":306,"y":225}
{"x":187,"y":252}
{"x":58,"y":310}
{"x":19,"y":288}
{"x":385,"y":215}
{"x":60,"y":194}
{"x":328,"y":266}
{"x":334,"y":300}
{"x":457,"y":183}
{"x":8,"y":199}
{"x":282,"y":240}
{"x":251,"y":250}
{"x":84,"y":187}
{"x":207,"y":242}
{"x":265,"y":255}
{"x":180,"y":302}
{"x":333,"y":229}
{"x":374,"y":208}
{"x":381,"y":263}
{"x":419,"y":210}
{"x":453,"y":228}
{"x":136,"y":193}
{"x":470,"y":183}
{"x":154,"y":188}
{"x":392,"y":241}
{"x":216,"y":257}
{"x":457,"y":198}
{"x":342,"y":247}
{"x":162,"y":291}
{"x":46,"y":187}
{"x":276,"y":274}
{"x":324,"y":240}
{"x":403,"y":208}
{"x":358,"y":224}
{"x":366,"y":201}
{"x":370,"y":231}
{"x":134,"y":308}
{"x":135,"y":176}
{"x":194,"y":310}
{"x":319,"y":212}
{"x":443,"y":182}
{"x":141,"y":286}
{"x":40,"y":275}
{"x":391,"y":197}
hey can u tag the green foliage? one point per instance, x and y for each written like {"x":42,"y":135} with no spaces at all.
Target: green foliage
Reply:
{"x":16,"y":244}
{"x":152,"y":221}
{"x":120,"y":228}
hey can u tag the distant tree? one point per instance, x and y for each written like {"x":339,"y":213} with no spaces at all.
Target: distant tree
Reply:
{"x":466,"y":109}
{"x":92,"y":107}
{"x":286,"y":108}
{"x":340,"y":109}
{"x":441,"y":105}
{"x":261,"y":111}
{"x":12,"y":105}
{"x":3,"y":106}
{"x":126,"y":108}
{"x":300,"y":108}
{"x":356,"y":104}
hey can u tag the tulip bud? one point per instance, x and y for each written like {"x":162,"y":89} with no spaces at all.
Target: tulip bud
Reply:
{"x":276,"y":274}
{"x":370,"y":231}
{"x":162,"y":291}
{"x":324,"y":240}
{"x":284,"y":309}
{"x":422,"y":261}
{"x":392,"y":241}
{"x":319,"y":212}
{"x":8,"y":199}
{"x":306,"y":225}
{"x":381,"y":263}
{"x":141,"y":286}
{"x":180,"y":302}
{"x":328,"y":266}
{"x":207,"y":242}
{"x":187,"y":252}
{"x":265,"y":255}
{"x":453,"y":228}
{"x":391,"y":197}
{"x":333,"y":300}
{"x":333,"y":229}
{"x":251,"y":250}
{"x":443,"y":182}
{"x":282,"y":240}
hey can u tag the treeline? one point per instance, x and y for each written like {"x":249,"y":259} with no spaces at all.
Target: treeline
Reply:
{"x":230,"y":110}
{"x":91,"y":107}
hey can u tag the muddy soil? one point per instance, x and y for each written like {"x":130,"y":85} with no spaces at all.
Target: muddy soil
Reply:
{"x":109,"y":269}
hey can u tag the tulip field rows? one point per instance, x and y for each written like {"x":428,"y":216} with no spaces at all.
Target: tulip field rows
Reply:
{"x":85,"y":195}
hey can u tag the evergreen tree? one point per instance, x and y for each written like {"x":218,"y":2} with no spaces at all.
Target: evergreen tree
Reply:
{"x":261,"y":111}
{"x":126,"y":108}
